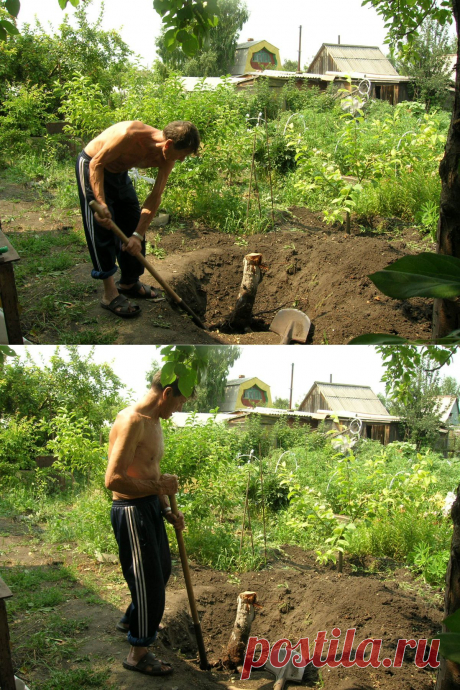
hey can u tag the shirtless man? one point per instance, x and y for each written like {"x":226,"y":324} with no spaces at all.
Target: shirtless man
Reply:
{"x":102,"y":174}
{"x":140,"y":503}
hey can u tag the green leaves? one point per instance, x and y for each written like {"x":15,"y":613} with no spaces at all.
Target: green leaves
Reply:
{"x":63,"y":3}
{"x":186,"y":363}
{"x":449,"y":646}
{"x":6,"y":351}
{"x":424,"y":275}
{"x":12,"y":7}
{"x":187,"y":23}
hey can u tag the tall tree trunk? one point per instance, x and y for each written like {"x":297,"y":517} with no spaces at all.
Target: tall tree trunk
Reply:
{"x":448,"y":677}
{"x":446,"y":313}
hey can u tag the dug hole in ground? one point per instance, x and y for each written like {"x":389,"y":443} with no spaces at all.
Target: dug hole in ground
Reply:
{"x":299,"y":598}
{"x":316,"y":268}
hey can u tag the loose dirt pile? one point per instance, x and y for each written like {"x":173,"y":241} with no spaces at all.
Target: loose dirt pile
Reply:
{"x":319,"y":270}
{"x":299,"y":599}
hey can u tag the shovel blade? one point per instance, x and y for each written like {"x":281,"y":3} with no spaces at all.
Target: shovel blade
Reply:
{"x":300,"y":324}
{"x":289,"y":671}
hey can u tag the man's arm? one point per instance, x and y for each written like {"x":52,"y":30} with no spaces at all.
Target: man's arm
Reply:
{"x":110,"y":151}
{"x":122,"y":457}
{"x":152,"y":202}
{"x":149,"y":208}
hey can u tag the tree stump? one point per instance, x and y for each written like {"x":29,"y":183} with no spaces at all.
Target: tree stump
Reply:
{"x":245,"y":614}
{"x":252,"y":275}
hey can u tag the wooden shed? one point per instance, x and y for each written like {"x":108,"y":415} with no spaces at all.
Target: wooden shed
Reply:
{"x":362,"y":62}
{"x":348,"y":402}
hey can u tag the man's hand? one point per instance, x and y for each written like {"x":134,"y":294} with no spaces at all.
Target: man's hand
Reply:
{"x":177,"y":521}
{"x":104,"y":217}
{"x":133,"y":247}
{"x":169,"y":484}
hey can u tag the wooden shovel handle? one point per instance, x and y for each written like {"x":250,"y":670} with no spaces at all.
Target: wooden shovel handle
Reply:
{"x":188,"y":584}
{"x":97,"y":208}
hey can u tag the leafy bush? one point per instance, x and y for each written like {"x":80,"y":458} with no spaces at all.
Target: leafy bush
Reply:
{"x":18,"y":444}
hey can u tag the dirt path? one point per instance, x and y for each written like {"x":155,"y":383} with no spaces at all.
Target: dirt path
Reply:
{"x":309,"y":265}
{"x":298,"y":596}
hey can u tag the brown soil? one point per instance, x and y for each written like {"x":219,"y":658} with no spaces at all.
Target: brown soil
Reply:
{"x":310,"y":266}
{"x":298,"y":596}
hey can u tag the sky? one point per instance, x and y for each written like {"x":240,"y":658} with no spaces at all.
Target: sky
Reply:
{"x":276,"y":22}
{"x":357,"y":364}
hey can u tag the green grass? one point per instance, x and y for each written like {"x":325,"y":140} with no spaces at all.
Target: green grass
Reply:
{"x":78,"y":679}
{"x":37,"y":589}
{"x":46,"y":253}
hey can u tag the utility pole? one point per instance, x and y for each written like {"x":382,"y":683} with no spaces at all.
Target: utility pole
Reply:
{"x":292,"y":386}
{"x":300,"y":50}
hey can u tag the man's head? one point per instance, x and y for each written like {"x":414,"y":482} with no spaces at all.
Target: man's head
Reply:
{"x":182,"y":139}
{"x":170,"y":399}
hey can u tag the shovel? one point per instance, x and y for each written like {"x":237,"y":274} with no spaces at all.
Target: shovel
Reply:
{"x":166,"y":287}
{"x":291,"y":324}
{"x":287,"y":672}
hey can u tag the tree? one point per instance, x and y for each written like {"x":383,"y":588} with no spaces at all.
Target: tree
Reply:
{"x":426,"y":63}
{"x":216,"y":57}
{"x":403,"y":20}
{"x":420,"y":415}
{"x":187,"y":23}
{"x":212,"y":363}
{"x":210,"y":391}
{"x":281,"y":403}
{"x":400,"y":364}
{"x":290,"y":65}
{"x":44,"y":59}
{"x":449,"y":386}
{"x":70,"y":381}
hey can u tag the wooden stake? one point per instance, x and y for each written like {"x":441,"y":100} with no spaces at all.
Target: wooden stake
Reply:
{"x":252,"y":275}
{"x":269,"y":170}
{"x":244,"y":513}
{"x":245,"y":614}
{"x":263,"y":501}
{"x":250,"y":177}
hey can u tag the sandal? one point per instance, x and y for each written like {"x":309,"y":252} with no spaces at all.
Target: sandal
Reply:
{"x":135,"y":291}
{"x":150,"y":666}
{"x":120,"y":306}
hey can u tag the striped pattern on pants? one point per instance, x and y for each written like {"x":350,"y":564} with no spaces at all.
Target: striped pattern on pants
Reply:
{"x":146,"y":563}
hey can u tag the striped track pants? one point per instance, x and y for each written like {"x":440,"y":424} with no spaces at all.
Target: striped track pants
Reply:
{"x":105,"y":247}
{"x":146,"y":563}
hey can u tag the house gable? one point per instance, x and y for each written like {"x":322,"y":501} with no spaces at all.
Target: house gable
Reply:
{"x":255,"y":55}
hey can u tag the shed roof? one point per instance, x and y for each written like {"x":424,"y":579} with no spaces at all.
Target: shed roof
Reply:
{"x":282,"y":74}
{"x":247,"y":44}
{"x":446,"y":406}
{"x":350,"y":398}
{"x":180,"y":419}
{"x":208,"y":83}
{"x":362,"y":59}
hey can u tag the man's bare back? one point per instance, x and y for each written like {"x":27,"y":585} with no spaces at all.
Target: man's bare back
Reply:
{"x":127,"y":145}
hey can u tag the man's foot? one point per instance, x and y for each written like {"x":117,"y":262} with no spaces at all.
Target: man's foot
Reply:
{"x":139,"y":290}
{"x":120,"y":306}
{"x":149,"y":665}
